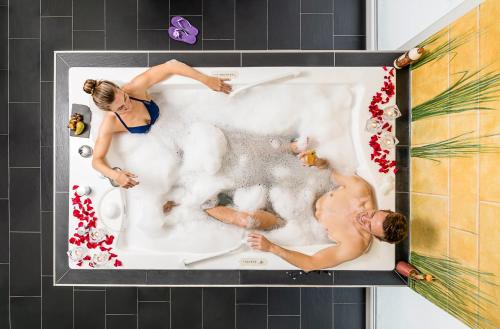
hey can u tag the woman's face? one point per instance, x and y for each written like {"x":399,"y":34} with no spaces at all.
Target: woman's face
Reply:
{"x":122,"y":103}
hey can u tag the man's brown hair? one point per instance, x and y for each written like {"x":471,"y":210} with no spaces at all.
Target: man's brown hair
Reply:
{"x":395,"y":227}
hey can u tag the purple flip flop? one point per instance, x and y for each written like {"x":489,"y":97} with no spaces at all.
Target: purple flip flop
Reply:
{"x":182,"y":23}
{"x":181,"y":35}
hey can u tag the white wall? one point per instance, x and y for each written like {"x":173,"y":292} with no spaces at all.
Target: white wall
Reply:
{"x":401,"y":307}
{"x":401,"y":20}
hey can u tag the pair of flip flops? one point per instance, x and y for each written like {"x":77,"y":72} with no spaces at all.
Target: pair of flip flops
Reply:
{"x":181,"y":30}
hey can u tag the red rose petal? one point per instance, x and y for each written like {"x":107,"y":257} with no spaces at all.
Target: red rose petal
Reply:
{"x":118,"y":263}
{"x":74,"y":187}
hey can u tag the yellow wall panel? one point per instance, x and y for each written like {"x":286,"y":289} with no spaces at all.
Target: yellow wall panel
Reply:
{"x":463,"y":193}
{"x":429,"y":176}
{"x":429,"y":224}
{"x":489,"y":177}
{"x":463,"y":247}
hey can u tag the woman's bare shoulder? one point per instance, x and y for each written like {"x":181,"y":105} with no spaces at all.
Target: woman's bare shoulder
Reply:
{"x":134,"y":90}
{"x":110,"y":124}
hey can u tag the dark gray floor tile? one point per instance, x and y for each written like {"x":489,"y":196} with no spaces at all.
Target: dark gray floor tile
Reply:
{"x":25,"y":199}
{"x":4,"y":80}
{"x":120,"y":32}
{"x":153,"y":14}
{"x":403,"y":206}
{"x":284,"y":301}
{"x":24,"y":70}
{"x":402,"y":156}
{"x":218,"y":19}
{"x":154,"y":294}
{"x":197,"y":59}
{"x":186,"y":301}
{"x":89,"y":309}
{"x":315,"y":31}
{"x":402,"y":179}
{"x":316,"y":304}
{"x":288,"y":59}
{"x":24,"y":19}
{"x":118,"y":59}
{"x":25,"y":312}
{"x":350,"y":316}
{"x":317,"y":6}
{"x":284,"y":322}
{"x":153,"y":40}
{"x":218,"y":44}
{"x":47,"y":183}
{"x":4,"y":166}
{"x":4,"y":231}
{"x":285,"y":277}
{"x":121,"y":300}
{"x":251,"y":24}
{"x":403,"y":100}
{"x":88,"y":14}
{"x":4,"y":28}
{"x":121,"y":321}
{"x":362,"y":58}
{"x":348,"y":295}
{"x":284,"y":24}
{"x":218,"y":308}
{"x":177,"y":45}
{"x":349,"y":17}
{"x":154,"y":315}
{"x":47,"y":114}
{"x":88,"y":40}
{"x":364,"y":278}
{"x":56,"y":35}
{"x":185,"y":7}
{"x":57,"y":305}
{"x":251,"y":295}
{"x":349,"y":42}
{"x":47,"y":239}
{"x":127,"y":277}
{"x":25,"y":264}
{"x":187,"y":277}
{"x":60,"y":228}
{"x":24,"y":135}
{"x":251,"y":317}
{"x":4,"y":295}
{"x":56,"y":8}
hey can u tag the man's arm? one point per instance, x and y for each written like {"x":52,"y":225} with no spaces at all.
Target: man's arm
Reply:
{"x":325,"y":258}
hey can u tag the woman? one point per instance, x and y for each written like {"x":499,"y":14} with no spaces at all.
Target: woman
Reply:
{"x":130,"y":108}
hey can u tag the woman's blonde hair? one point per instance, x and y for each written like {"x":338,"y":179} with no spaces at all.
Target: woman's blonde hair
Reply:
{"x":102,"y":91}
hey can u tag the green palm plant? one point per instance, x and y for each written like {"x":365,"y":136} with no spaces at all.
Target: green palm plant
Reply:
{"x":444,"y":48}
{"x":467,"y":93}
{"x":461,"y":146}
{"x":451,"y":288}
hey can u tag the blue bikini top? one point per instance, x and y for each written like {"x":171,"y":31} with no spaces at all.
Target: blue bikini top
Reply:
{"x":154,"y":113}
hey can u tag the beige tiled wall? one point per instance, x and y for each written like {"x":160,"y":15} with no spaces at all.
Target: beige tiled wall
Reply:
{"x":455,"y":204}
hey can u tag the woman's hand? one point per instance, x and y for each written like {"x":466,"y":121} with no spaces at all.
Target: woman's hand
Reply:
{"x":259,"y":242}
{"x":126,"y":179}
{"x":310,"y":159}
{"x":218,"y":84}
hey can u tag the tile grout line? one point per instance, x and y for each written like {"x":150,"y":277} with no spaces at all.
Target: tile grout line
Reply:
{"x":137,"y":307}
{"x":478,"y":164}
{"x":202,"y":302}
{"x":8,"y":159}
{"x":104,"y":18}
{"x":234,"y":26}
{"x":137,"y":24}
{"x":267,"y":308}
{"x":40,"y":156}
{"x":300,"y":307}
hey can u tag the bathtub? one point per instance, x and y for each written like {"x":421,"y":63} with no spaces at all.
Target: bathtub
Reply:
{"x":380,"y":257}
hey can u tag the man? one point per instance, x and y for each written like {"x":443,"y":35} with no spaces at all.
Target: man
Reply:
{"x":349,"y":214}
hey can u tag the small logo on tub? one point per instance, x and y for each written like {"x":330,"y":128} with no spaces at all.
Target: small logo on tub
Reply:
{"x":253,"y":261}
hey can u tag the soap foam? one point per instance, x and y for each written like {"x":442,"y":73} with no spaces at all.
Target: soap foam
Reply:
{"x":205,"y":143}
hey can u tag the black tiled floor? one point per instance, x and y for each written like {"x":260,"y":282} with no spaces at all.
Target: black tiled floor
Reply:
{"x":349,"y":17}
{"x":136,"y":24}
{"x":349,"y":316}
{"x":284,"y":24}
{"x":88,"y":40}
{"x":24,"y":137}
{"x":349,"y":42}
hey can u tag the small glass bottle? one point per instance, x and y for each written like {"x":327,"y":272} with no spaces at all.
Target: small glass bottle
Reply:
{"x":409,"y":57}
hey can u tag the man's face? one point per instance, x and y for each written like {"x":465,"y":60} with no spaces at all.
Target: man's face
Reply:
{"x":372,"y":221}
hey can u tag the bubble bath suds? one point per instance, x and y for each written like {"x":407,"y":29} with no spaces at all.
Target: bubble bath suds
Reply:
{"x":205,"y":143}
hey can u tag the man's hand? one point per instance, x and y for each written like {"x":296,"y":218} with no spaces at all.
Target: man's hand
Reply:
{"x":259,"y":242}
{"x":217,"y":84}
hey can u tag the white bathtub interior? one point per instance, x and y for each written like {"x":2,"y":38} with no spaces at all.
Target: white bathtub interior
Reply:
{"x":181,"y":158}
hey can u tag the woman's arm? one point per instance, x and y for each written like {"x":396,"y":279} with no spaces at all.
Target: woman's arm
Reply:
{"x":325,"y":258}
{"x":163,"y":71}
{"x":101,"y":147}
